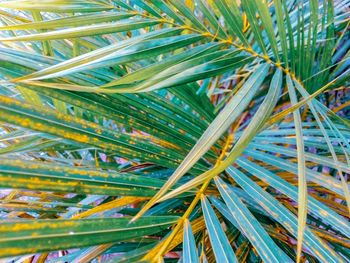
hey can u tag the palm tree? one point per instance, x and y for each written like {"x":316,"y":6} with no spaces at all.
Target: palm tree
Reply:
{"x":200,"y":131}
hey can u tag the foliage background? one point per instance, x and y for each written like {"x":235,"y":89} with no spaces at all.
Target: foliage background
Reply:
{"x":163,"y":130}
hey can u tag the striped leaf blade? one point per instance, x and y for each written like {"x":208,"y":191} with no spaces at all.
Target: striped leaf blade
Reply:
{"x":48,"y":235}
{"x":220,"y":244}
{"x":189,"y":253}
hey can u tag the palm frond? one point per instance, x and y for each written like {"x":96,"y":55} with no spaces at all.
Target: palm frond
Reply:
{"x":137,"y":130}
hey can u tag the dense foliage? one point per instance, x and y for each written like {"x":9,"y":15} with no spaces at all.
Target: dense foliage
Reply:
{"x":151,"y":130}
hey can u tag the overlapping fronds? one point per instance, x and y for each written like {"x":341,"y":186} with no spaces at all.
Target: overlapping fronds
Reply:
{"x":200,"y":131}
